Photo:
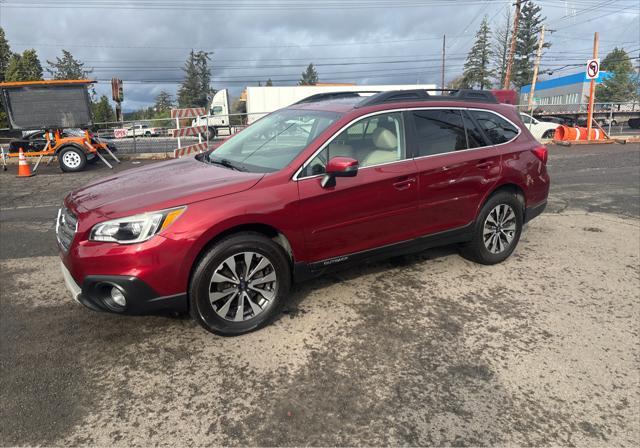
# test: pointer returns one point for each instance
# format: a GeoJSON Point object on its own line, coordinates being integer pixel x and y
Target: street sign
{"type": "Point", "coordinates": [593, 68]}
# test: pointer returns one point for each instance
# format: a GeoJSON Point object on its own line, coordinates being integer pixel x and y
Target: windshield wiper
{"type": "Point", "coordinates": [226, 163]}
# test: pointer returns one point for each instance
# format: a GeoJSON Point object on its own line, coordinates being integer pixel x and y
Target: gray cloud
{"type": "Point", "coordinates": [98, 35]}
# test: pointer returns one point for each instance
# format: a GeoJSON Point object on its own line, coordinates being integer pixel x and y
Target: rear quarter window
{"type": "Point", "coordinates": [496, 128]}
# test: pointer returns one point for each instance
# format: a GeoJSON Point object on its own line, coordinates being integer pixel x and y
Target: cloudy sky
{"type": "Point", "coordinates": [145, 42]}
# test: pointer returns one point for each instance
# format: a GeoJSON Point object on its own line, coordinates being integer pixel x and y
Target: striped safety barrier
{"type": "Point", "coordinates": [198, 147]}
{"type": "Point", "coordinates": [188, 132]}
{"type": "Point", "coordinates": [189, 112]}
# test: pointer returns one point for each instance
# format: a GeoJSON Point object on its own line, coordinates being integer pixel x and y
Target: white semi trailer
{"type": "Point", "coordinates": [263, 100]}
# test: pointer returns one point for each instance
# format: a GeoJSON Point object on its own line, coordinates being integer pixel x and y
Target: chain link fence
{"type": "Point", "coordinates": [612, 116]}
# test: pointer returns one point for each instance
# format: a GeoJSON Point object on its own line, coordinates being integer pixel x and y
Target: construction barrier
{"type": "Point", "coordinates": [198, 147]}
{"type": "Point", "coordinates": [189, 132]}
{"type": "Point", "coordinates": [566, 133]}
{"type": "Point", "coordinates": [189, 112]}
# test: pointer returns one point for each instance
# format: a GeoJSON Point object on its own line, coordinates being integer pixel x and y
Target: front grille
{"type": "Point", "coordinates": [66, 226]}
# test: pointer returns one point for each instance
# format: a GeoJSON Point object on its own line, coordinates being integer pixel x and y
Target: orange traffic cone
{"type": "Point", "coordinates": [24, 170]}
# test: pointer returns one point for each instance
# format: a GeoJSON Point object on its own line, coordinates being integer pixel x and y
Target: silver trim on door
{"type": "Point", "coordinates": [406, 109]}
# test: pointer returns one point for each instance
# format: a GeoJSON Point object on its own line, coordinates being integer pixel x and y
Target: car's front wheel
{"type": "Point", "coordinates": [239, 284]}
{"type": "Point", "coordinates": [497, 229]}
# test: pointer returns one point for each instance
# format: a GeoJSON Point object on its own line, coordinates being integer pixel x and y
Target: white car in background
{"type": "Point", "coordinates": [539, 129]}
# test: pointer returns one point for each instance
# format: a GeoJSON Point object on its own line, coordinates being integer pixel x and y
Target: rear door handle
{"type": "Point", "coordinates": [485, 165]}
{"type": "Point", "coordinates": [404, 184]}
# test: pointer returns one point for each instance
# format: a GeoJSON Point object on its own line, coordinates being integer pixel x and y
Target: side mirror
{"type": "Point", "coordinates": [339, 167]}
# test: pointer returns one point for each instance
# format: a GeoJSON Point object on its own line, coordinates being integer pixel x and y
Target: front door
{"type": "Point", "coordinates": [377, 207]}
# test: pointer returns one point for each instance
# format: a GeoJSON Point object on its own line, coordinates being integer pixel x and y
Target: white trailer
{"type": "Point", "coordinates": [263, 100]}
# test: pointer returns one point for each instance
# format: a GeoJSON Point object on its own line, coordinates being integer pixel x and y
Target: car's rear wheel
{"type": "Point", "coordinates": [548, 133]}
{"type": "Point", "coordinates": [239, 284]}
{"type": "Point", "coordinates": [497, 229]}
{"type": "Point", "coordinates": [72, 159]}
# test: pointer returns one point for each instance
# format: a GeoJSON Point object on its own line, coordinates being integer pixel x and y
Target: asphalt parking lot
{"type": "Point", "coordinates": [428, 349]}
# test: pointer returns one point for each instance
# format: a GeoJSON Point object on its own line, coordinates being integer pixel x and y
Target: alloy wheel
{"type": "Point", "coordinates": [499, 228]}
{"type": "Point", "coordinates": [243, 286]}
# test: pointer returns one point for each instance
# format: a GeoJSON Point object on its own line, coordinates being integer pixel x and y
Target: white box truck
{"type": "Point", "coordinates": [261, 101]}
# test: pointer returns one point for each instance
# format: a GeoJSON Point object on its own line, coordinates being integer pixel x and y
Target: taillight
{"type": "Point", "coordinates": [541, 153]}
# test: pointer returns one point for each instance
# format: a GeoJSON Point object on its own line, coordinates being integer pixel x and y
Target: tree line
{"type": "Point", "coordinates": [486, 62]}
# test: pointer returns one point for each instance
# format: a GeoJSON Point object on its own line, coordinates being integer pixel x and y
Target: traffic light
{"type": "Point", "coordinates": [117, 93]}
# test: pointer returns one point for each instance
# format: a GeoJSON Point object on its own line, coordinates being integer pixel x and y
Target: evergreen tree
{"type": "Point", "coordinates": [269, 83]}
{"type": "Point", "coordinates": [102, 110]}
{"type": "Point", "coordinates": [68, 67]}
{"type": "Point", "coordinates": [622, 86]}
{"type": "Point", "coordinates": [31, 65]}
{"type": "Point", "coordinates": [529, 28]}
{"type": "Point", "coordinates": [459, 82]}
{"type": "Point", "coordinates": [5, 54]}
{"type": "Point", "coordinates": [477, 68]}
{"type": "Point", "coordinates": [25, 67]}
{"type": "Point", "coordinates": [163, 104]}
{"type": "Point", "coordinates": [15, 71]}
{"type": "Point", "coordinates": [309, 76]}
{"type": "Point", "coordinates": [204, 77]}
{"type": "Point", "coordinates": [501, 46]}
{"type": "Point", "coordinates": [195, 87]}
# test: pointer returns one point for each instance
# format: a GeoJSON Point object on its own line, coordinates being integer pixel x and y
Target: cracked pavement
{"type": "Point", "coordinates": [428, 349]}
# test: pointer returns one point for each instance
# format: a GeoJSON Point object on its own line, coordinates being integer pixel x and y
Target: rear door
{"type": "Point", "coordinates": [375, 208]}
{"type": "Point", "coordinates": [456, 165]}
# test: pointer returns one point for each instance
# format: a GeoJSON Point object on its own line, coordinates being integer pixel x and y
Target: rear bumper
{"type": "Point", "coordinates": [94, 293]}
{"type": "Point", "coordinates": [532, 212]}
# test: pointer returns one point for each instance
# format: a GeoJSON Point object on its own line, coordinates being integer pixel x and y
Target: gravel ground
{"type": "Point", "coordinates": [419, 350]}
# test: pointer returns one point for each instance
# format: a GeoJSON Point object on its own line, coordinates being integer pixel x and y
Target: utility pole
{"type": "Point", "coordinates": [444, 41]}
{"type": "Point", "coordinates": [512, 50]}
{"type": "Point", "coordinates": [535, 72]}
{"type": "Point", "coordinates": [592, 89]}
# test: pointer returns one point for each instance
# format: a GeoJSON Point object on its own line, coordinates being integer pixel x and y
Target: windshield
{"type": "Point", "coordinates": [272, 142]}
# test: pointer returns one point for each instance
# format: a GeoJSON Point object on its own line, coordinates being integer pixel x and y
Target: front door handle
{"type": "Point", "coordinates": [404, 183]}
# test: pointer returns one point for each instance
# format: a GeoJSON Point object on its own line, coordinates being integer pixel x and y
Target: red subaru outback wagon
{"type": "Point", "coordinates": [332, 180]}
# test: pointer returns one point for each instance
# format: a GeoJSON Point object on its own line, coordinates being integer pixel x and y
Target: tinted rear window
{"type": "Point", "coordinates": [439, 131]}
{"type": "Point", "coordinates": [497, 129]}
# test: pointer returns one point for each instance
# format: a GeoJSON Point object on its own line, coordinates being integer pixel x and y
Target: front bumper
{"type": "Point", "coordinates": [140, 297]}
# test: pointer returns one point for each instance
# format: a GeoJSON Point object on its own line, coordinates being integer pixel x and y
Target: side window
{"type": "Point", "coordinates": [496, 128]}
{"type": "Point", "coordinates": [215, 110]}
{"type": "Point", "coordinates": [439, 131]}
{"type": "Point", "coordinates": [525, 118]}
{"type": "Point", "coordinates": [474, 135]}
{"type": "Point", "coordinates": [372, 141]}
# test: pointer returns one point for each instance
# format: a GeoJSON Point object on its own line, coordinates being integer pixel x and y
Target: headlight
{"type": "Point", "coordinates": [135, 229]}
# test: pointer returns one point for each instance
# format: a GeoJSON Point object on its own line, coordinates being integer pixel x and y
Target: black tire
{"type": "Point", "coordinates": [202, 309]}
{"type": "Point", "coordinates": [548, 133]}
{"type": "Point", "coordinates": [476, 250]}
{"type": "Point", "coordinates": [72, 159]}
{"type": "Point", "coordinates": [213, 132]}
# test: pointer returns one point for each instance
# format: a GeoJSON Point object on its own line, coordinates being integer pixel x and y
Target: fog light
{"type": "Point", "coordinates": [118, 297]}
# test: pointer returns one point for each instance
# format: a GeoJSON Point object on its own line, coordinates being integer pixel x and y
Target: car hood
{"type": "Point", "coordinates": [159, 186]}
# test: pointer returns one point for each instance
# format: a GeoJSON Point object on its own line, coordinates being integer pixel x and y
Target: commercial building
{"type": "Point", "coordinates": [568, 89]}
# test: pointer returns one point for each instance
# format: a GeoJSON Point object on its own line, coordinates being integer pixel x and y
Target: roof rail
{"type": "Point", "coordinates": [334, 96]}
{"type": "Point", "coordinates": [393, 96]}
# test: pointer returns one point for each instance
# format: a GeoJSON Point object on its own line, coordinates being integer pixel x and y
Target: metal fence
{"type": "Point", "coordinates": [613, 117]}
{"type": "Point", "coordinates": [156, 135]}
